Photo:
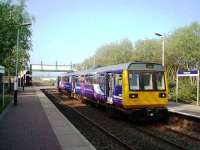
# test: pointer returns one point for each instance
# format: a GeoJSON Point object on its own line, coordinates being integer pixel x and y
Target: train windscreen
{"type": "Point", "coordinates": [144, 81]}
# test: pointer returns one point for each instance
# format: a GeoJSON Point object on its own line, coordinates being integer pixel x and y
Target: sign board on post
{"type": "Point", "coordinates": [187, 73]}
{"type": "Point", "coordinates": [191, 73]}
{"type": "Point", "coordinates": [2, 71]}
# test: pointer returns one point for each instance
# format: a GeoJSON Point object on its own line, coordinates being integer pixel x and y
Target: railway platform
{"type": "Point", "coordinates": [184, 109]}
{"type": "Point", "coordinates": [35, 124]}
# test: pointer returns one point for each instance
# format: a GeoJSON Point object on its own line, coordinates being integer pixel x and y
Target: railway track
{"type": "Point", "coordinates": [104, 131]}
{"type": "Point", "coordinates": [170, 129]}
{"type": "Point", "coordinates": [148, 132]}
{"type": "Point", "coordinates": [145, 131]}
{"type": "Point", "coordinates": [183, 134]}
{"type": "Point", "coordinates": [126, 146]}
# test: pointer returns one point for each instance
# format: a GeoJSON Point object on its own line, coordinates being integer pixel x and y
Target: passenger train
{"type": "Point", "coordinates": [137, 89]}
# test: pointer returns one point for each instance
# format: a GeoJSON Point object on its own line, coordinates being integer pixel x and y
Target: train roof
{"type": "Point", "coordinates": [67, 73]}
{"type": "Point", "coordinates": [77, 73]}
{"type": "Point", "coordinates": [112, 68]}
{"type": "Point", "coordinates": [131, 66]}
{"type": "Point", "coordinates": [63, 74]}
{"type": "Point", "coordinates": [119, 68]}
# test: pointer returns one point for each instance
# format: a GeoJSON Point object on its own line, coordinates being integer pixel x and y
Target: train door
{"type": "Point", "coordinates": [73, 83]}
{"type": "Point", "coordinates": [110, 87]}
{"type": "Point", "coordinates": [117, 91]}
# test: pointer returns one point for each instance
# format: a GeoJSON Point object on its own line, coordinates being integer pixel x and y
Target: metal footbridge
{"type": "Point", "coordinates": [50, 68]}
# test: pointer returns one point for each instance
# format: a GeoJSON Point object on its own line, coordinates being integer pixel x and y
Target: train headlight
{"type": "Point", "coordinates": [162, 95]}
{"type": "Point", "coordinates": [133, 95]}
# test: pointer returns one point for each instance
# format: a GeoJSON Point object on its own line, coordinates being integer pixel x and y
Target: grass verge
{"type": "Point", "coordinates": [7, 99]}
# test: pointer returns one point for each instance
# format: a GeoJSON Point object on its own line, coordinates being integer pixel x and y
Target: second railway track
{"type": "Point", "coordinates": [147, 139]}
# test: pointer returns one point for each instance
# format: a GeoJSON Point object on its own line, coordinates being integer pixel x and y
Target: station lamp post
{"type": "Point", "coordinates": [163, 47]}
{"type": "Point", "coordinates": [16, 63]}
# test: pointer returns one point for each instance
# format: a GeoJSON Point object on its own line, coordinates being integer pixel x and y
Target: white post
{"type": "Point", "coordinates": [16, 63]}
{"type": "Point", "coordinates": [3, 93]}
{"type": "Point", "coordinates": [20, 81]}
{"type": "Point", "coordinates": [15, 84]}
{"type": "Point", "coordinates": [198, 88]}
{"type": "Point", "coordinates": [71, 65]}
{"type": "Point", "coordinates": [177, 87]}
{"type": "Point", "coordinates": [94, 60]}
{"type": "Point", "coordinates": [163, 50]}
{"type": "Point", "coordinates": [56, 65]}
{"type": "Point", "coordinates": [163, 47]}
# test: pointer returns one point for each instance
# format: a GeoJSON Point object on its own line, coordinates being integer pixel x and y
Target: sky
{"type": "Point", "coordinates": [72, 30]}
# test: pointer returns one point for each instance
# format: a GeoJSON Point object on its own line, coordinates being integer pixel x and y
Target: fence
{"type": "Point", "coordinates": [2, 98]}
{"type": "Point", "coordinates": [5, 89]}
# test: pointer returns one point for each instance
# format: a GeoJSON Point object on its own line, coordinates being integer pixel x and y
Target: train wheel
{"type": "Point", "coordinates": [97, 104]}
{"type": "Point", "coordinates": [72, 95]}
{"type": "Point", "coordinates": [83, 100]}
{"type": "Point", "coordinates": [165, 116]}
{"type": "Point", "coordinates": [112, 113]}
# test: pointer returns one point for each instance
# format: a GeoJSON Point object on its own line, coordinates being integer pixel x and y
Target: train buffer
{"type": "Point", "coordinates": [35, 123]}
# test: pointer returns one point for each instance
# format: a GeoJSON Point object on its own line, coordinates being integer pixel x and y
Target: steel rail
{"type": "Point", "coordinates": [147, 132]}
{"type": "Point", "coordinates": [175, 145]}
{"type": "Point", "coordinates": [97, 126]}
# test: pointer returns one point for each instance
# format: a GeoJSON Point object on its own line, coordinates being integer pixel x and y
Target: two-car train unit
{"type": "Point", "coordinates": [137, 89]}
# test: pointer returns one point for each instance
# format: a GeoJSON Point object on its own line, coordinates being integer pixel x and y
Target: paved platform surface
{"type": "Point", "coordinates": [36, 124]}
{"type": "Point", "coordinates": [185, 109]}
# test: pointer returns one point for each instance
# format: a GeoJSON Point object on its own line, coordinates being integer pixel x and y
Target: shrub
{"type": "Point", "coordinates": [186, 92]}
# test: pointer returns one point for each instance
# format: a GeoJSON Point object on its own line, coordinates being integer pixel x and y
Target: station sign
{"type": "Point", "coordinates": [2, 69]}
{"type": "Point", "coordinates": [190, 73]}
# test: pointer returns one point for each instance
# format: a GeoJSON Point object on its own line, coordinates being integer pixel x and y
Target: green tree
{"type": "Point", "coordinates": [112, 53]}
{"type": "Point", "coordinates": [11, 16]}
{"type": "Point", "coordinates": [148, 50]}
{"type": "Point", "coordinates": [183, 49]}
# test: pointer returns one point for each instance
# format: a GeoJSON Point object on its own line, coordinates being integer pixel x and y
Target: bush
{"type": "Point", "coordinates": [7, 100]}
{"type": "Point", "coordinates": [186, 92]}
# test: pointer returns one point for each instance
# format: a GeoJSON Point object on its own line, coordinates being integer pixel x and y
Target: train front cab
{"type": "Point", "coordinates": [145, 91]}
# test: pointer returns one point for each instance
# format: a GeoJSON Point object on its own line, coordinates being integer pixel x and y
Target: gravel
{"type": "Point", "coordinates": [121, 128]}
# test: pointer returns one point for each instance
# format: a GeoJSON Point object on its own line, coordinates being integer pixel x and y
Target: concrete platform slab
{"type": "Point", "coordinates": [35, 124]}
{"type": "Point", "coordinates": [68, 136]}
{"type": "Point", "coordinates": [185, 109]}
{"type": "Point", "coordinates": [26, 126]}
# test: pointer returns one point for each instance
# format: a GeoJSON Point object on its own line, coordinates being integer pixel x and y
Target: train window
{"type": "Point", "coordinates": [148, 83]}
{"type": "Point", "coordinates": [101, 82]}
{"type": "Point", "coordinates": [77, 83]}
{"type": "Point", "coordinates": [118, 79]}
{"type": "Point", "coordinates": [82, 79]}
{"type": "Point", "coordinates": [70, 79]}
{"type": "Point", "coordinates": [160, 80]}
{"type": "Point", "coordinates": [90, 79]}
{"type": "Point", "coordinates": [96, 79]}
{"type": "Point", "coordinates": [146, 80]}
{"type": "Point", "coordinates": [134, 81]}
{"type": "Point", "coordinates": [87, 80]}
{"type": "Point", "coordinates": [65, 79]}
